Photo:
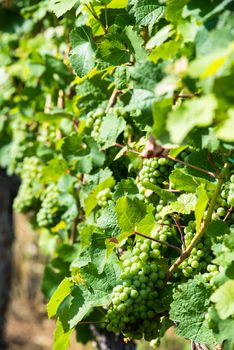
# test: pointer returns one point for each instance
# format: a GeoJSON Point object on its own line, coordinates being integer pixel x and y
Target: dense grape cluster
{"type": "Point", "coordinates": [154, 170]}
{"type": "Point", "coordinates": [94, 121]}
{"type": "Point", "coordinates": [29, 188]}
{"type": "Point", "coordinates": [47, 215]}
{"type": "Point", "coordinates": [104, 196]}
{"type": "Point", "coordinates": [200, 257]}
{"type": "Point", "coordinates": [136, 300]}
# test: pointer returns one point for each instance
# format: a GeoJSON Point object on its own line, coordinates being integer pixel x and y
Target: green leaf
{"type": "Point", "coordinates": [182, 181]}
{"type": "Point", "coordinates": [198, 112]}
{"type": "Point", "coordinates": [61, 338]}
{"type": "Point", "coordinates": [82, 56]}
{"type": "Point", "coordinates": [167, 50]}
{"type": "Point", "coordinates": [54, 169]}
{"type": "Point", "coordinates": [217, 228]}
{"type": "Point", "coordinates": [174, 9]}
{"type": "Point", "coordinates": [59, 7]}
{"type": "Point", "coordinates": [59, 295]}
{"type": "Point", "coordinates": [125, 187]}
{"type": "Point", "coordinates": [223, 298]}
{"type": "Point", "coordinates": [202, 200]}
{"type": "Point", "coordinates": [129, 212]}
{"type": "Point", "coordinates": [225, 130]}
{"type": "Point", "coordinates": [161, 36]}
{"type": "Point", "coordinates": [72, 147]}
{"type": "Point", "coordinates": [91, 201]}
{"type": "Point", "coordinates": [147, 12]}
{"type": "Point", "coordinates": [147, 224]}
{"type": "Point", "coordinates": [184, 205]}
{"type": "Point", "coordinates": [108, 220]}
{"type": "Point", "coordinates": [136, 43]}
{"type": "Point", "coordinates": [188, 310]}
{"type": "Point", "coordinates": [96, 253]}
{"type": "Point", "coordinates": [111, 127]}
{"type": "Point", "coordinates": [91, 290]}
{"type": "Point", "coordinates": [165, 195]}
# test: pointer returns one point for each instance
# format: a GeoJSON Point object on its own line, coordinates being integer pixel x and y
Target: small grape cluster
{"type": "Point", "coordinates": [135, 306]}
{"type": "Point", "coordinates": [103, 197]}
{"type": "Point", "coordinates": [47, 134]}
{"type": "Point", "coordinates": [94, 121]}
{"type": "Point", "coordinates": [200, 257]}
{"type": "Point", "coordinates": [22, 144]}
{"type": "Point", "coordinates": [225, 201]}
{"type": "Point", "coordinates": [30, 176]}
{"type": "Point", "coordinates": [46, 217]}
{"type": "Point", "coordinates": [154, 170]}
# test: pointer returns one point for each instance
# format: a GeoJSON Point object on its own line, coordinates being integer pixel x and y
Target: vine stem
{"type": "Point", "coordinates": [203, 225]}
{"type": "Point", "coordinates": [191, 166]}
{"type": "Point", "coordinates": [228, 214]}
{"type": "Point", "coordinates": [176, 220]}
{"type": "Point", "coordinates": [207, 172]}
{"type": "Point", "coordinates": [158, 241]}
{"type": "Point", "coordinates": [94, 322]}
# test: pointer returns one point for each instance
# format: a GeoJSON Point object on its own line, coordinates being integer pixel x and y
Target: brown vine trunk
{"type": "Point", "coordinates": [109, 341]}
{"type": "Point", "coordinates": [8, 187]}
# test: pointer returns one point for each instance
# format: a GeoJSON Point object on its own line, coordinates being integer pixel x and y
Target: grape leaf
{"type": "Point", "coordinates": [125, 187]}
{"type": "Point", "coordinates": [165, 195]}
{"type": "Point", "coordinates": [223, 298]}
{"type": "Point", "coordinates": [202, 200]}
{"type": "Point", "coordinates": [82, 56]}
{"type": "Point", "coordinates": [91, 290]}
{"type": "Point", "coordinates": [61, 338]}
{"type": "Point", "coordinates": [91, 201]}
{"type": "Point", "coordinates": [184, 205]}
{"type": "Point", "coordinates": [110, 129]}
{"type": "Point", "coordinates": [95, 253]}
{"type": "Point", "coordinates": [174, 9]}
{"type": "Point", "coordinates": [182, 181]}
{"type": "Point", "coordinates": [188, 310]}
{"type": "Point", "coordinates": [147, 12]}
{"type": "Point", "coordinates": [59, 295]}
{"type": "Point", "coordinates": [199, 112]}
{"type": "Point", "coordinates": [59, 7]}
{"type": "Point", "coordinates": [129, 212]}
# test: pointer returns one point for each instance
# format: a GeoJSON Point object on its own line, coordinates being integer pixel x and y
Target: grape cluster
{"type": "Point", "coordinates": [225, 201]}
{"type": "Point", "coordinates": [104, 196]}
{"type": "Point", "coordinates": [154, 170]}
{"type": "Point", "coordinates": [136, 299]}
{"type": "Point", "coordinates": [94, 121]}
{"type": "Point", "coordinates": [29, 188]}
{"type": "Point", "coordinates": [200, 257]}
{"type": "Point", "coordinates": [47, 134]}
{"type": "Point", "coordinates": [21, 146]}
{"type": "Point", "coordinates": [47, 215]}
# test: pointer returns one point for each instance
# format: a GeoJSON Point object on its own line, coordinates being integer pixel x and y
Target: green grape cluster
{"type": "Point", "coordinates": [47, 134]}
{"type": "Point", "coordinates": [225, 200]}
{"type": "Point", "coordinates": [104, 196]}
{"type": "Point", "coordinates": [135, 307]}
{"type": "Point", "coordinates": [154, 170]}
{"type": "Point", "coordinates": [200, 257]}
{"type": "Point", "coordinates": [94, 121]}
{"type": "Point", "coordinates": [21, 146]}
{"type": "Point", "coordinates": [30, 176]}
{"type": "Point", "coordinates": [47, 215]}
